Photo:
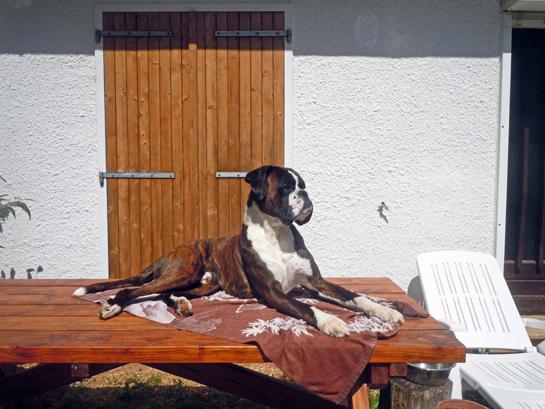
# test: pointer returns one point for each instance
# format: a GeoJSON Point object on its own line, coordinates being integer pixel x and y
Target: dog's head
{"type": "Point", "coordinates": [280, 192]}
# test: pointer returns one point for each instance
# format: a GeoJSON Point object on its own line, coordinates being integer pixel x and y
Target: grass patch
{"type": "Point", "coordinates": [141, 395]}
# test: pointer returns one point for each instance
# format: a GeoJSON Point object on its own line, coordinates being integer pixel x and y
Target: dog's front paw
{"type": "Point", "coordinates": [108, 311]}
{"type": "Point", "coordinates": [330, 324]}
{"type": "Point", "coordinates": [374, 309]}
{"type": "Point", "coordinates": [388, 315]}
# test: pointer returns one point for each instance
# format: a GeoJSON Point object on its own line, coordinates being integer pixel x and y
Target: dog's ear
{"type": "Point", "coordinates": [257, 179]}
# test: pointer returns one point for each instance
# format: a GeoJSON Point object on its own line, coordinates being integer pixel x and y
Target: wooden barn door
{"type": "Point", "coordinates": [192, 104]}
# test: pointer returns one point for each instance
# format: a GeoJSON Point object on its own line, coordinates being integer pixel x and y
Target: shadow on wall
{"type": "Point", "coordinates": [384, 28]}
{"type": "Point", "coordinates": [12, 275]}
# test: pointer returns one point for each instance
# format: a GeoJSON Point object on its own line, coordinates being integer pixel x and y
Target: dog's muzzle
{"type": "Point", "coordinates": [305, 213]}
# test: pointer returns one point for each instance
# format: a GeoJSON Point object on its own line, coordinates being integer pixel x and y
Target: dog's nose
{"type": "Point", "coordinates": [307, 209]}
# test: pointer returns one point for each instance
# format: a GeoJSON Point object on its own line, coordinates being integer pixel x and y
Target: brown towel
{"type": "Point", "coordinates": [322, 364]}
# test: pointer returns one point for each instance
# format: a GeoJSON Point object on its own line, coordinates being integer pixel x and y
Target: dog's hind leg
{"type": "Point", "coordinates": [144, 277]}
{"type": "Point", "coordinates": [174, 276]}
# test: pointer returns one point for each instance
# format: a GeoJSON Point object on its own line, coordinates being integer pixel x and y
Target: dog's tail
{"type": "Point", "coordinates": [147, 275]}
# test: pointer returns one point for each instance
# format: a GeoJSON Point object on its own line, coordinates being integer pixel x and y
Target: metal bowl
{"type": "Point", "coordinates": [429, 374]}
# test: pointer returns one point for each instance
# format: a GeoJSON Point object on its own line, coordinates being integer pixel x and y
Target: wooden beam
{"type": "Point", "coordinates": [524, 200]}
{"type": "Point", "coordinates": [247, 384]}
{"type": "Point", "coordinates": [42, 378]}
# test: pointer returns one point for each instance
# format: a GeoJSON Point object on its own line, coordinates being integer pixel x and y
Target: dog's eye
{"type": "Point", "coordinates": [285, 190]}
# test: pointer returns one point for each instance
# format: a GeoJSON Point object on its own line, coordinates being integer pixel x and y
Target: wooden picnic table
{"type": "Point", "coordinates": [40, 322]}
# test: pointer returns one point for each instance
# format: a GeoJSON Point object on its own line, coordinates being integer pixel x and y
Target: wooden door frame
{"type": "Point", "coordinates": [510, 21]}
{"type": "Point", "coordinates": [286, 8]}
{"type": "Point", "coordinates": [503, 140]}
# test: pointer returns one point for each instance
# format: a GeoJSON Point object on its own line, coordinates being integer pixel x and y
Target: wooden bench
{"type": "Point", "coordinates": [40, 322]}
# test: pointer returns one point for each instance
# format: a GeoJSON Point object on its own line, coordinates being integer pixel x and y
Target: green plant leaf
{"type": "Point", "coordinates": [5, 211]}
{"type": "Point", "coordinates": [21, 205]}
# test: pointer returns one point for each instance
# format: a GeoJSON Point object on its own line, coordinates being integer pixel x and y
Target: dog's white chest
{"type": "Point", "coordinates": [275, 246]}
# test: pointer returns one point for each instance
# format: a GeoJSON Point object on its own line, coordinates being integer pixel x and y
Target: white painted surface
{"type": "Point", "coordinates": [392, 101]}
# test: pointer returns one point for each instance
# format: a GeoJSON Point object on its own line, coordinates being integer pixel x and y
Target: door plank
{"type": "Point", "coordinates": [166, 132]}
{"type": "Point", "coordinates": [201, 126]}
{"type": "Point", "coordinates": [256, 92]}
{"type": "Point", "coordinates": [278, 91]}
{"type": "Point", "coordinates": [144, 142]}
{"type": "Point", "coordinates": [155, 138]}
{"type": "Point", "coordinates": [189, 126]}
{"type": "Point", "coordinates": [211, 125]}
{"type": "Point", "coordinates": [111, 146]}
{"type": "Point", "coordinates": [268, 87]}
{"type": "Point", "coordinates": [122, 146]}
{"type": "Point", "coordinates": [245, 109]}
{"type": "Point", "coordinates": [233, 143]}
{"type": "Point", "coordinates": [223, 125]}
{"type": "Point", "coordinates": [177, 119]}
{"type": "Point", "coordinates": [133, 151]}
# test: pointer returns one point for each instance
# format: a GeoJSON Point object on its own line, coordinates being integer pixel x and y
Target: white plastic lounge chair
{"type": "Point", "coordinates": [468, 292]}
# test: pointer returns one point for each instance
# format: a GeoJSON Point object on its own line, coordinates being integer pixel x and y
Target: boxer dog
{"type": "Point", "coordinates": [265, 261]}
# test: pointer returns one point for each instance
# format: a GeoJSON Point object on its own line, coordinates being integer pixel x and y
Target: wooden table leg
{"type": "Point", "coordinates": [360, 399]}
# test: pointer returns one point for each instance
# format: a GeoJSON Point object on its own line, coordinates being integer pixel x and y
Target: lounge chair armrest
{"type": "Point", "coordinates": [453, 325]}
{"type": "Point", "coordinates": [541, 348]}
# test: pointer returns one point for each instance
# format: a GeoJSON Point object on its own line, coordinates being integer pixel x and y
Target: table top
{"type": "Point", "coordinates": [41, 322]}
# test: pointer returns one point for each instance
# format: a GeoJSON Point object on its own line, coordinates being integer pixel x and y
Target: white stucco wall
{"type": "Point", "coordinates": [393, 102]}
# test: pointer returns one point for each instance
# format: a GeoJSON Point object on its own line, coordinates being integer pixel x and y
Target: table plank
{"type": "Point", "coordinates": [88, 316]}
{"type": "Point", "coordinates": [126, 321]}
{"type": "Point", "coordinates": [38, 325]}
{"type": "Point", "coordinates": [171, 346]}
